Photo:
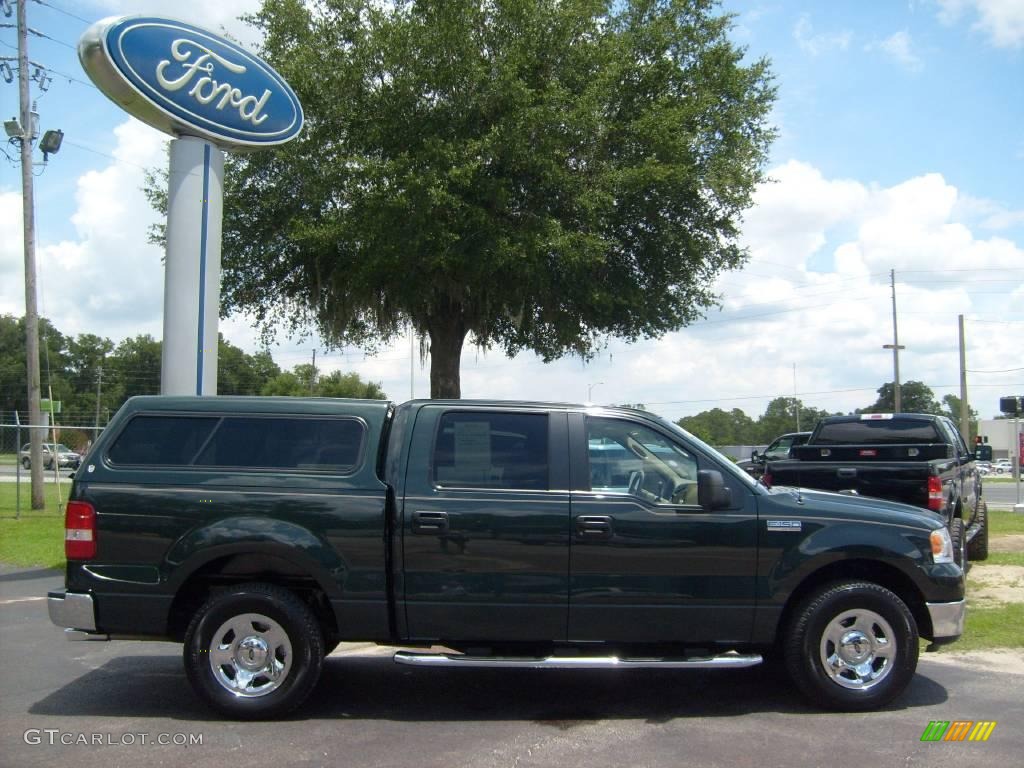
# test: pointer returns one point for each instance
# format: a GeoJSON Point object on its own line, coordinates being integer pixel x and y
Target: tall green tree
{"type": "Point", "coordinates": [780, 417]}
{"type": "Point", "coordinates": [951, 408]}
{"type": "Point", "coordinates": [535, 174]}
{"type": "Point", "coordinates": [719, 427]}
{"type": "Point", "coordinates": [304, 381]}
{"type": "Point", "coordinates": [915, 397]}
{"type": "Point", "coordinates": [239, 373]}
{"type": "Point", "coordinates": [135, 370]}
{"type": "Point", "coordinates": [85, 358]}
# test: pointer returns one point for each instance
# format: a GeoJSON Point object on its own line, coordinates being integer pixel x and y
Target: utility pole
{"type": "Point", "coordinates": [796, 401]}
{"type": "Point", "coordinates": [312, 375]}
{"type": "Point", "coordinates": [895, 347]}
{"type": "Point", "coordinates": [99, 390]}
{"type": "Point", "coordinates": [965, 411]}
{"type": "Point", "coordinates": [28, 219]}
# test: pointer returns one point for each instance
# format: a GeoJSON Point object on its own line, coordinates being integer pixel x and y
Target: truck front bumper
{"type": "Point", "coordinates": [75, 613]}
{"type": "Point", "coordinates": [947, 620]}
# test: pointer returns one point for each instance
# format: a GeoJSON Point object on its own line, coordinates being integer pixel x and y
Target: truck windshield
{"type": "Point", "coordinates": [877, 432]}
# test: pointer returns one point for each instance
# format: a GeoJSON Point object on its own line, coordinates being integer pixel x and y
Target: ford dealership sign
{"type": "Point", "coordinates": [186, 81]}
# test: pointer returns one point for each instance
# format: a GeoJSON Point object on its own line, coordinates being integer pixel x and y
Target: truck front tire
{"type": "Point", "coordinates": [253, 651]}
{"type": "Point", "coordinates": [851, 646]}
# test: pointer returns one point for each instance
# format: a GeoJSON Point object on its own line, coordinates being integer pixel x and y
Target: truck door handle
{"type": "Point", "coordinates": [846, 472]}
{"type": "Point", "coordinates": [430, 522]}
{"type": "Point", "coordinates": [594, 526]}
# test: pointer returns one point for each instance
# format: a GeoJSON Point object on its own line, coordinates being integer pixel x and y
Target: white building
{"type": "Point", "coordinates": [1000, 434]}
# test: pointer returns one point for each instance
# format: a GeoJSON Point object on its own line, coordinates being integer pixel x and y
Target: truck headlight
{"type": "Point", "coordinates": [942, 546]}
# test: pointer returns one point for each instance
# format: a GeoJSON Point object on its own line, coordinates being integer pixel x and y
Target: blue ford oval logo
{"type": "Point", "coordinates": [184, 80]}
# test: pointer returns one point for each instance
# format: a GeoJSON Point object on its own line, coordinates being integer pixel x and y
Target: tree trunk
{"type": "Point", "coordinates": [447, 330]}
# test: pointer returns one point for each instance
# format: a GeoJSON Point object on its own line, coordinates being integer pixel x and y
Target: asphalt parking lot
{"type": "Point", "coordinates": [109, 704]}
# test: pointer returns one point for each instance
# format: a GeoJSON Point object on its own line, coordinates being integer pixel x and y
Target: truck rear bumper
{"type": "Point", "coordinates": [947, 620]}
{"type": "Point", "coordinates": [74, 611]}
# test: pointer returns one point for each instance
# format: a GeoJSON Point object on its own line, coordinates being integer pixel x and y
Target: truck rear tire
{"type": "Point", "coordinates": [851, 646]}
{"type": "Point", "coordinates": [958, 536]}
{"type": "Point", "coordinates": [977, 548]}
{"type": "Point", "coordinates": [253, 651]}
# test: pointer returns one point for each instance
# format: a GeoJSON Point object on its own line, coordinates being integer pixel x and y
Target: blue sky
{"type": "Point", "coordinates": [901, 146]}
{"type": "Point", "coordinates": [884, 90]}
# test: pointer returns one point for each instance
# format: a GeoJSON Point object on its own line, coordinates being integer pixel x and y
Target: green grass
{"type": "Point", "coordinates": [1005, 521]}
{"type": "Point", "coordinates": [988, 628]}
{"type": "Point", "coordinates": [9, 459]}
{"type": "Point", "coordinates": [32, 541]}
{"type": "Point", "coordinates": [37, 539]}
{"type": "Point", "coordinates": [1005, 558]}
{"type": "Point", "coordinates": [8, 499]}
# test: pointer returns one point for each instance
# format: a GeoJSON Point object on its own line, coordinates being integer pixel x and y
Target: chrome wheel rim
{"type": "Point", "coordinates": [858, 649]}
{"type": "Point", "coordinates": [250, 655]}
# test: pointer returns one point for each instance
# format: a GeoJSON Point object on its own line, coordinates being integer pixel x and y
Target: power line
{"type": "Point", "coordinates": [70, 78]}
{"type": "Point", "coordinates": [45, 36]}
{"type": "Point", "coordinates": [61, 10]}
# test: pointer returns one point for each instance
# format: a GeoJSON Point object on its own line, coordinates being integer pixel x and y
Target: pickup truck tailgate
{"type": "Point", "coordinates": [906, 482]}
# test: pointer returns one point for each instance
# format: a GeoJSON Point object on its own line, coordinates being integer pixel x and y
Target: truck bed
{"type": "Point", "coordinates": [903, 481]}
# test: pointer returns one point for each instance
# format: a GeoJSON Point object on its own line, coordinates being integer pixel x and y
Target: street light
{"type": "Point", "coordinates": [590, 389]}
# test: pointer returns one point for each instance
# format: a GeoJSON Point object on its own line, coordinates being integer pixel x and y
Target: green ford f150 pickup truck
{"type": "Point", "coordinates": [260, 532]}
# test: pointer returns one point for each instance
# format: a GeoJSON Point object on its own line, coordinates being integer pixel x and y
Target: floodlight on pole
{"type": "Point", "coordinates": [50, 144]}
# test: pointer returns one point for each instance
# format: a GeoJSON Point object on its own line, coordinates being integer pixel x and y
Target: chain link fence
{"type": "Point", "coordinates": [15, 461]}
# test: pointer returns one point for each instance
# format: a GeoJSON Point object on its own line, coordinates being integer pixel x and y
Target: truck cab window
{"type": "Point", "coordinates": [475, 449]}
{"type": "Point", "coordinates": [631, 459]}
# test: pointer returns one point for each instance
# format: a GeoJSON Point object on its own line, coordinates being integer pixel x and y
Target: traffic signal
{"type": "Point", "coordinates": [1011, 406]}
{"type": "Point", "coordinates": [982, 452]}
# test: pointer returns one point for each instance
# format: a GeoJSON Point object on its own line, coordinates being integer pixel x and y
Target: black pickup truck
{"type": "Point", "coordinates": [261, 532]}
{"type": "Point", "coordinates": [913, 458]}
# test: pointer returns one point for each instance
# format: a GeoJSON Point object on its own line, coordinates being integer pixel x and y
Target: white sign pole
{"type": "Point", "coordinates": [195, 204]}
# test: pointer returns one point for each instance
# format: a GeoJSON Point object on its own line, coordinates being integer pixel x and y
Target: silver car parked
{"type": "Point", "coordinates": [66, 458]}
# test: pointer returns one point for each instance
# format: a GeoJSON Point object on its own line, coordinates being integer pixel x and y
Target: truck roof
{"type": "Point", "coordinates": [250, 404]}
{"type": "Point", "coordinates": [328, 405]}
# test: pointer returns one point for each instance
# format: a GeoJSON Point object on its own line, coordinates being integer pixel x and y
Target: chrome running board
{"type": "Point", "coordinates": [726, 660]}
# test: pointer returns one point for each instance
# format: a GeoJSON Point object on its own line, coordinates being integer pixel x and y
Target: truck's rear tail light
{"type": "Point", "coordinates": [935, 496]}
{"type": "Point", "coordinates": [79, 531]}
{"type": "Point", "coordinates": [766, 478]}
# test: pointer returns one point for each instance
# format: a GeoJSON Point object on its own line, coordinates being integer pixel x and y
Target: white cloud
{"type": "Point", "coordinates": [816, 44]}
{"type": "Point", "coordinates": [12, 262]}
{"type": "Point", "coordinates": [107, 280]}
{"type": "Point", "coordinates": [900, 47]}
{"type": "Point", "coordinates": [1002, 21]}
{"type": "Point", "coordinates": [988, 214]}
{"type": "Point", "coordinates": [812, 204]}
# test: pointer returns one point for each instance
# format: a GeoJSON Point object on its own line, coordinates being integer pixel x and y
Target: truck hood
{"type": "Point", "coordinates": [808, 502]}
